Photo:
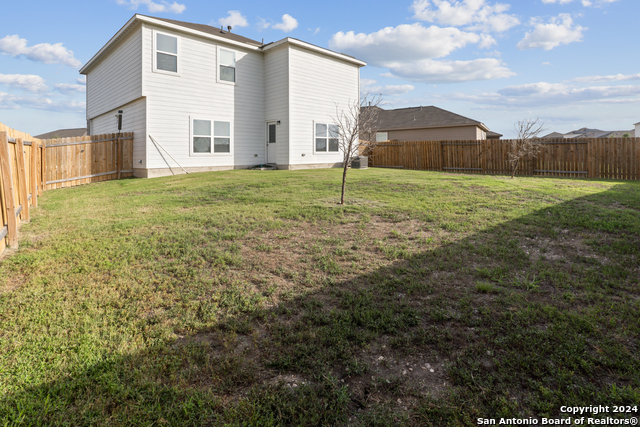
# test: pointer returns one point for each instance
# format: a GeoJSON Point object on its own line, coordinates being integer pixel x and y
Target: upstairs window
{"type": "Point", "coordinates": [166, 54]}
{"type": "Point", "coordinates": [227, 68]}
{"type": "Point", "coordinates": [326, 138]}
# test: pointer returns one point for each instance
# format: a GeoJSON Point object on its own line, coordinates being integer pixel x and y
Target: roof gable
{"type": "Point", "coordinates": [422, 117]}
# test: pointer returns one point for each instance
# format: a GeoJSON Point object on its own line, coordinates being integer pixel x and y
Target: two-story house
{"type": "Point", "coordinates": [203, 98]}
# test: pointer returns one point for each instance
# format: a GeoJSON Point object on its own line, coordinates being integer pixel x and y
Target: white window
{"type": "Point", "coordinates": [227, 65]}
{"type": "Point", "coordinates": [326, 138]}
{"type": "Point", "coordinates": [382, 136]}
{"type": "Point", "coordinates": [210, 137]}
{"type": "Point", "coordinates": [166, 53]}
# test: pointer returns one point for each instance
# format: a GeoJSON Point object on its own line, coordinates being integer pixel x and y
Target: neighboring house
{"type": "Point", "coordinates": [493, 135]}
{"type": "Point", "coordinates": [428, 124]}
{"type": "Point", "coordinates": [63, 133]}
{"type": "Point", "coordinates": [206, 99]}
{"type": "Point", "coordinates": [592, 133]}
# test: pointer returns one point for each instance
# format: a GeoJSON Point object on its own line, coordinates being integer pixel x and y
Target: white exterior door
{"type": "Point", "coordinates": [271, 142]}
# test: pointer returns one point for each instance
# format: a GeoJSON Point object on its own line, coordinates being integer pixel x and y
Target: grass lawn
{"type": "Point", "coordinates": [252, 298]}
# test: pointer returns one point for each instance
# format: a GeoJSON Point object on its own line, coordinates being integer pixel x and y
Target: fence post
{"type": "Point", "coordinates": [43, 167]}
{"type": "Point", "coordinates": [33, 170]}
{"type": "Point", "coordinates": [7, 189]}
{"type": "Point", "coordinates": [119, 153]}
{"type": "Point", "coordinates": [22, 180]}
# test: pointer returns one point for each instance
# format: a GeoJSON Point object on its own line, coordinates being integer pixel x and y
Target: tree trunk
{"type": "Point", "coordinates": [344, 181]}
{"type": "Point", "coordinates": [515, 168]}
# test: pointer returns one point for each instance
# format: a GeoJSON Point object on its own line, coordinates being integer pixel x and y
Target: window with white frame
{"type": "Point", "coordinates": [326, 138]}
{"type": "Point", "coordinates": [210, 137]}
{"type": "Point", "coordinates": [227, 65]}
{"type": "Point", "coordinates": [382, 136]}
{"type": "Point", "coordinates": [166, 53]}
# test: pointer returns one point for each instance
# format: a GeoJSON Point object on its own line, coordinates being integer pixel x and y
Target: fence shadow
{"type": "Point", "coordinates": [516, 320]}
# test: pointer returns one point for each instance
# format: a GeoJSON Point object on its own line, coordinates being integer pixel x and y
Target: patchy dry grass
{"type": "Point", "coordinates": [251, 298]}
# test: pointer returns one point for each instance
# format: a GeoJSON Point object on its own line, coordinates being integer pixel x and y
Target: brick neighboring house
{"type": "Point", "coordinates": [429, 124]}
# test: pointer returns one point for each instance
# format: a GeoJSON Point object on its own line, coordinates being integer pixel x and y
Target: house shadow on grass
{"type": "Point", "coordinates": [514, 321]}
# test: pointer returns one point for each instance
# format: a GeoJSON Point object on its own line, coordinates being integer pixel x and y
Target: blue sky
{"type": "Point", "coordinates": [572, 63]}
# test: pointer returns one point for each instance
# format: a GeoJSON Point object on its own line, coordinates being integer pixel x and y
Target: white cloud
{"type": "Point", "coordinates": [479, 14]}
{"type": "Point", "coordinates": [289, 23]}
{"type": "Point", "coordinates": [67, 88]}
{"type": "Point", "coordinates": [559, 30]}
{"type": "Point", "coordinates": [402, 43]}
{"type": "Point", "coordinates": [82, 80]}
{"type": "Point", "coordinates": [408, 51]}
{"type": "Point", "coordinates": [29, 82]}
{"type": "Point", "coordinates": [163, 6]}
{"type": "Point", "coordinates": [316, 31]}
{"type": "Point", "coordinates": [613, 78]}
{"type": "Point", "coordinates": [235, 19]}
{"type": "Point", "coordinates": [545, 94]}
{"type": "Point", "coordinates": [43, 52]}
{"type": "Point", "coordinates": [367, 86]}
{"type": "Point", "coordinates": [547, 63]}
{"type": "Point", "coordinates": [432, 71]}
{"type": "Point", "coordinates": [263, 24]}
{"type": "Point", "coordinates": [15, 102]}
{"type": "Point", "coordinates": [585, 3]}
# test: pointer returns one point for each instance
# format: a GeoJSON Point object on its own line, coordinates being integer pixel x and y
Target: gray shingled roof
{"type": "Point", "coordinates": [210, 30]}
{"type": "Point", "coordinates": [493, 135]}
{"type": "Point", "coordinates": [591, 133]}
{"type": "Point", "coordinates": [63, 133]}
{"type": "Point", "coordinates": [422, 117]}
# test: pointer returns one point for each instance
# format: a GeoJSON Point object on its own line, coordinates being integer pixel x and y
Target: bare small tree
{"type": "Point", "coordinates": [357, 126]}
{"type": "Point", "coordinates": [527, 142]}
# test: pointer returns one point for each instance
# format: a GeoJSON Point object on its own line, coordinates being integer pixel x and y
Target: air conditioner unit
{"type": "Point", "coordinates": [361, 162]}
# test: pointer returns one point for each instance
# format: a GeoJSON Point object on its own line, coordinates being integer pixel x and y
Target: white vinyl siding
{"type": "Point", "coordinates": [116, 79]}
{"type": "Point", "coordinates": [276, 90]}
{"type": "Point", "coordinates": [317, 84]}
{"type": "Point", "coordinates": [171, 102]}
{"type": "Point", "coordinates": [133, 120]}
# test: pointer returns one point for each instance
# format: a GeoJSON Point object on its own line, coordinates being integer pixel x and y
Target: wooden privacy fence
{"type": "Point", "coordinates": [29, 166]}
{"type": "Point", "coordinates": [20, 183]}
{"type": "Point", "coordinates": [85, 159]}
{"type": "Point", "coordinates": [612, 158]}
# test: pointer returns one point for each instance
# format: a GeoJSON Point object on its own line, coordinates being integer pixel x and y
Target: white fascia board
{"type": "Point", "coordinates": [309, 46]}
{"type": "Point", "coordinates": [140, 18]}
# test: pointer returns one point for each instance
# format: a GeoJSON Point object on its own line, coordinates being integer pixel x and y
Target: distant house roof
{"type": "Point", "coordinates": [591, 133]}
{"type": "Point", "coordinates": [63, 133]}
{"type": "Point", "coordinates": [423, 117]}
{"type": "Point", "coordinates": [554, 135]}
{"type": "Point", "coordinates": [493, 135]}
